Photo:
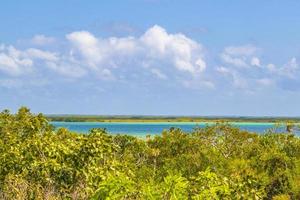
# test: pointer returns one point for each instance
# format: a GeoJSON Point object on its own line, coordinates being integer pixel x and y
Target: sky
{"type": "Point", "coordinates": [151, 57]}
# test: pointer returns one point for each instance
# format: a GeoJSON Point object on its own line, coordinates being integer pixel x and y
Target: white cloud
{"type": "Point", "coordinates": [239, 62]}
{"type": "Point", "coordinates": [109, 58]}
{"type": "Point", "coordinates": [240, 56]}
{"type": "Point", "coordinates": [185, 53]}
{"type": "Point", "coordinates": [157, 40]}
{"type": "Point", "coordinates": [67, 69]}
{"type": "Point", "coordinates": [100, 55]}
{"type": "Point", "coordinates": [8, 65]}
{"type": "Point", "coordinates": [156, 44]}
{"type": "Point", "coordinates": [42, 40]}
{"type": "Point", "coordinates": [200, 63]}
{"type": "Point", "coordinates": [158, 74]}
{"type": "Point", "coordinates": [290, 69]}
{"type": "Point", "coordinates": [87, 45]}
{"type": "Point", "coordinates": [223, 70]}
{"type": "Point", "coordinates": [16, 62]}
{"type": "Point", "coordinates": [271, 67]}
{"type": "Point", "coordinates": [39, 54]}
{"type": "Point", "coordinates": [104, 56]}
{"type": "Point", "coordinates": [123, 46]}
{"type": "Point", "coordinates": [243, 68]}
{"type": "Point", "coordinates": [166, 56]}
{"type": "Point", "coordinates": [236, 79]}
{"type": "Point", "coordinates": [261, 76]}
{"type": "Point", "coordinates": [13, 62]}
{"type": "Point", "coordinates": [255, 62]}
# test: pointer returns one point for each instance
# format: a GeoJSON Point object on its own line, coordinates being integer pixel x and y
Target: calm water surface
{"type": "Point", "coordinates": [142, 129]}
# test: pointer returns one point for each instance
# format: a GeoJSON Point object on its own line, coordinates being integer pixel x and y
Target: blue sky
{"type": "Point", "coordinates": [151, 57]}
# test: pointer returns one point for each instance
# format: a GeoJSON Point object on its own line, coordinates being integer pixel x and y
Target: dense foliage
{"type": "Point", "coordinates": [216, 162]}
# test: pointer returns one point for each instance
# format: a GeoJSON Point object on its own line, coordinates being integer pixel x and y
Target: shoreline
{"type": "Point", "coordinates": [171, 119]}
{"type": "Point", "coordinates": [172, 122]}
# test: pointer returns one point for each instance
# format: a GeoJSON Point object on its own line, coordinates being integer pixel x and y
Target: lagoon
{"type": "Point", "coordinates": [141, 129]}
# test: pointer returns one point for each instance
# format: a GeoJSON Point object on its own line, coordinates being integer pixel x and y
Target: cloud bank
{"type": "Point", "coordinates": [154, 56]}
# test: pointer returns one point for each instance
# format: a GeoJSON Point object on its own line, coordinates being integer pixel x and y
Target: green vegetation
{"type": "Point", "coordinates": [127, 118]}
{"type": "Point", "coordinates": [215, 162]}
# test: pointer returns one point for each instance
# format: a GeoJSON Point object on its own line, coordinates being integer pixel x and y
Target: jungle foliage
{"type": "Point", "coordinates": [215, 162]}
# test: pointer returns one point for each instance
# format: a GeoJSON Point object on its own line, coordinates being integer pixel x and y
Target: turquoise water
{"type": "Point", "coordinates": [145, 128]}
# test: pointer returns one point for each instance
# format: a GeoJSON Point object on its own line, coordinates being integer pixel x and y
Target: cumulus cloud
{"type": "Point", "coordinates": [155, 45]}
{"type": "Point", "coordinates": [16, 62]}
{"type": "Point", "coordinates": [13, 62]}
{"type": "Point", "coordinates": [85, 54]}
{"type": "Point", "coordinates": [236, 79]}
{"type": "Point", "coordinates": [185, 53]}
{"type": "Point", "coordinates": [286, 76]}
{"type": "Point", "coordinates": [240, 56]}
{"type": "Point", "coordinates": [87, 45]}
{"type": "Point", "coordinates": [39, 54]}
{"type": "Point", "coordinates": [244, 69]}
{"type": "Point", "coordinates": [245, 82]}
{"type": "Point", "coordinates": [239, 62]}
{"type": "Point", "coordinates": [102, 55]}
{"type": "Point", "coordinates": [155, 54]}
{"type": "Point", "coordinates": [290, 69]}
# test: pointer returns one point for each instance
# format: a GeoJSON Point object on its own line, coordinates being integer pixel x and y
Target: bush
{"type": "Point", "coordinates": [215, 162]}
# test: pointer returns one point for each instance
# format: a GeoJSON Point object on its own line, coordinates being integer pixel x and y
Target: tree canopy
{"type": "Point", "coordinates": [38, 161]}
